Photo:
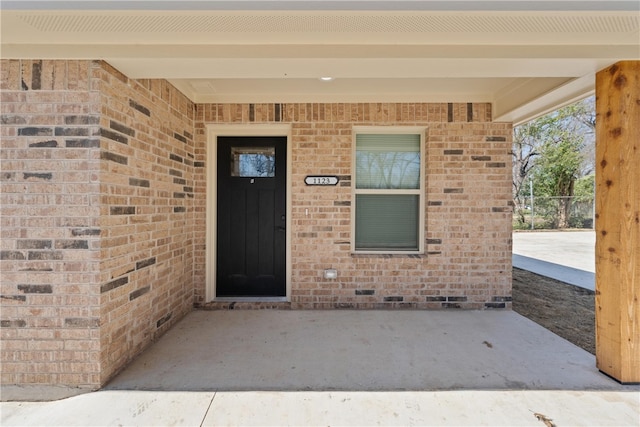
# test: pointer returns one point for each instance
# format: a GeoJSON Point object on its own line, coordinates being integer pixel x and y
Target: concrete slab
{"type": "Point", "coordinates": [266, 350]}
{"type": "Point", "coordinates": [447, 408]}
{"type": "Point", "coordinates": [349, 368]}
{"type": "Point", "coordinates": [108, 408]}
{"type": "Point", "coordinates": [444, 408]}
{"type": "Point", "coordinates": [568, 256]}
{"type": "Point", "coordinates": [575, 249]}
{"type": "Point", "coordinates": [573, 276]}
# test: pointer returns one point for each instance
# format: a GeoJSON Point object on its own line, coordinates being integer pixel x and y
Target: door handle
{"type": "Point", "coordinates": [281, 229]}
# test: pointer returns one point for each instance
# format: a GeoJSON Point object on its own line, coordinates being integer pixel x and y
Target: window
{"type": "Point", "coordinates": [388, 192]}
{"type": "Point", "coordinates": [253, 162]}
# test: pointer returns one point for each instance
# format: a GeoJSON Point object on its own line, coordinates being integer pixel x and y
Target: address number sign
{"type": "Point", "coordinates": [321, 180]}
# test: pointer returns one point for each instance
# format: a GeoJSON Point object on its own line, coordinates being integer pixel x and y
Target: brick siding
{"type": "Point", "coordinates": [468, 206]}
{"type": "Point", "coordinates": [103, 202]}
{"type": "Point", "coordinates": [147, 154]}
{"type": "Point", "coordinates": [50, 199]}
{"type": "Point", "coordinates": [97, 219]}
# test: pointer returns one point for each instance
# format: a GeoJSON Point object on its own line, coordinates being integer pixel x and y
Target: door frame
{"type": "Point", "coordinates": [213, 132]}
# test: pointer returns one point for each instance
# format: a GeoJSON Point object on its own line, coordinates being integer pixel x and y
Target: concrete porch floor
{"type": "Point", "coordinates": [268, 367]}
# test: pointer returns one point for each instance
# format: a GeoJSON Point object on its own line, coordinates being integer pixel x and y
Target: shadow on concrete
{"type": "Point", "coordinates": [573, 276]}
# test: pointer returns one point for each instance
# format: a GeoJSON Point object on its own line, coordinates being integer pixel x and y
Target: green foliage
{"type": "Point", "coordinates": [585, 188]}
{"type": "Point", "coordinates": [555, 151]}
{"type": "Point", "coordinates": [559, 164]}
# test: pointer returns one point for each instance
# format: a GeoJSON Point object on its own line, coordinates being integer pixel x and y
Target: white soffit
{"type": "Point", "coordinates": [333, 27]}
{"type": "Point", "coordinates": [359, 5]}
{"type": "Point", "coordinates": [525, 57]}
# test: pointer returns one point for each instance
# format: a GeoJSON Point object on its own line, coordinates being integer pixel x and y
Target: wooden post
{"type": "Point", "coordinates": [618, 221]}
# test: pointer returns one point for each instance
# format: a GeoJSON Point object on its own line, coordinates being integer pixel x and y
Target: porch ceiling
{"type": "Point", "coordinates": [525, 57]}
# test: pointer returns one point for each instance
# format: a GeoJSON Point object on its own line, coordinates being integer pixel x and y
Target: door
{"type": "Point", "coordinates": [251, 217]}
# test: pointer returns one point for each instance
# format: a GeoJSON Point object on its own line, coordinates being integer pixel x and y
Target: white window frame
{"type": "Point", "coordinates": [420, 192]}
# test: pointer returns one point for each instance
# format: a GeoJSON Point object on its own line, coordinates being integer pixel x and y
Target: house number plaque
{"type": "Point", "coordinates": [321, 180]}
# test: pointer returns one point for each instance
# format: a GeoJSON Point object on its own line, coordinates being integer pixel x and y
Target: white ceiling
{"type": "Point", "coordinates": [525, 57]}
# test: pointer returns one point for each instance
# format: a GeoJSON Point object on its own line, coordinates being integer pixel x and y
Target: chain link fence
{"type": "Point", "coordinates": [551, 213]}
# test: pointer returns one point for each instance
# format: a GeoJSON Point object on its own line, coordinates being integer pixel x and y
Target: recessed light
{"type": "Point", "coordinates": [326, 79]}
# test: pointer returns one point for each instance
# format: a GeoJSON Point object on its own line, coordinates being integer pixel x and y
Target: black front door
{"type": "Point", "coordinates": [251, 217]}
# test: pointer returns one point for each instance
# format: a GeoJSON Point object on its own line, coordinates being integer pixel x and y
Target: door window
{"type": "Point", "coordinates": [253, 162]}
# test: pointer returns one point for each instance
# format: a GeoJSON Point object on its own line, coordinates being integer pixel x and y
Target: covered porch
{"type": "Point", "coordinates": [110, 114]}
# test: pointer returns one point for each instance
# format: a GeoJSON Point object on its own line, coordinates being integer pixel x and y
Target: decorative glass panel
{"type": "Point", "coordinates": [253, 162]}
{"type": "Point", "coordinates": [387, 222]}
{"type": "Point", "coordinates": [387, 161]}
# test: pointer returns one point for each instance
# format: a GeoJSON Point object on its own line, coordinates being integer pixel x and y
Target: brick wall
{"type": "Point", "coordinates": [50, 223]}
{"type": "Point", "coordinates": [97, 219]}
{"type": "Point", "coordinates": [104, 214]}
{"type": "Point", "coordinates": [146, 187]}
{"type": "Point", "coordinates": [468, 206]}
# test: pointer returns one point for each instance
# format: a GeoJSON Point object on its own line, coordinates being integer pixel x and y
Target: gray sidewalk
{"type": "Point", "coordinates": [356, 368]}
{"type": "Point", "coordinates": [568, 256]}
{"type": "Point", "coordinates": [259, 408]}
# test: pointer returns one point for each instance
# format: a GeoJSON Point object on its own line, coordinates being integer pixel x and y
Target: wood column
{"type": "Point", "coordinates": [618, 221]}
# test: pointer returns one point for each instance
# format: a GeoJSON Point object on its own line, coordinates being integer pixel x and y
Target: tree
{"type": "Point", "coordinates": [555, 150]}
{"type": "Point", "coordinates": [558, 168]}
{"type": "Point", "coordinates": [580, 118]}
{"type": "Point", "coordinates": [525, 148]}
{"type": "Point", "coordinates": [585, 188]}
